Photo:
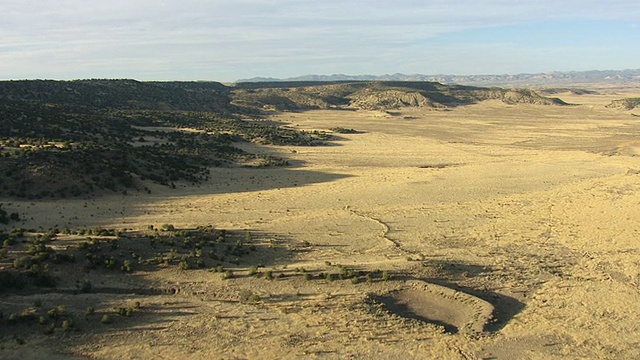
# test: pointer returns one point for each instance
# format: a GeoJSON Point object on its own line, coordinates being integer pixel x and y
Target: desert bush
{"type": "Point", "coordinates": [184, 264]}
{"type": "Point", "coordinates": [167, 227]}
{"type": "Point", "coordinates": [253, 270]}
{"type": "Point", "coordinates": [67, 325]}
{"type": "Point", "coordinates": [228, 274]}
{"type": "Point", "coordinates": [106, 319]}
{"type": "Point", "coordinates": [127, 266]}
{"type": "Point", "coordinates": [341, 130]}
{"type": "Point", "coordinates": [249, 297]}
{"type": "Point", "coordinates": [268, 275]}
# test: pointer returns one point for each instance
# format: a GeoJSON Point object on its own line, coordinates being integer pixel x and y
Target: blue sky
{"type": "Point", "coordinates": [229, 40]}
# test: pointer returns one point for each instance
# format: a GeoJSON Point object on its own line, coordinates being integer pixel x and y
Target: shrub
{"type": "Point", "coordinates": [341, 130]}
{"type": "Point", "coordinates": [67, 325]}
{"type": "Point", "coordinates": [227, 274]}
{"type": "Point", "coordinates": [106, 319]}
{"type": "Point", "coordinates": [253, 270]}
{"type": "Point", "coordinates": [53, 313]}
{"type": "Point", "coordinates": [167, 227]}
{"type": "Point", "coordinates": [126, 266]}
{"type": "Point", "coordinates": [268, 275]}
{"type": "Point", "coordinates": [184, 265]}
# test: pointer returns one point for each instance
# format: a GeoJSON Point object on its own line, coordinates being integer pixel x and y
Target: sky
{"type": "Point", "coordinates": [234, 39]}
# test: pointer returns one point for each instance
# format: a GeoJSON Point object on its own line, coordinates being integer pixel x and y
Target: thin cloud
{"type": "Point", "coordinates": [226, 40]}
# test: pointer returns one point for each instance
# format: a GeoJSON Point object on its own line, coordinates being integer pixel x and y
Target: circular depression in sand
{"type": "Point", "coordinates": [456, 311]}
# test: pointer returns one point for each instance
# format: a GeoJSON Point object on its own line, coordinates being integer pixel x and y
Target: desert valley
{"type": "Point", "coordinates": [345, 220]}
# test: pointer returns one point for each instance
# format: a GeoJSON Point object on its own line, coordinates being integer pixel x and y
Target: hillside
{"type": "Point", "coordinates": [292, 96]}
{"type": "Point", "coordinates": [60, 139]}
{"type": "Point", "coordinates": [625, 104]}
{"type": "Point", "coordinates": [69, 138]}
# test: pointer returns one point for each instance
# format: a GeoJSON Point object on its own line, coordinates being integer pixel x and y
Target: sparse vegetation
{"type": "Point", "coordinates": [625, 104]}
{"type": "Point", "coordinates": [341, 130]}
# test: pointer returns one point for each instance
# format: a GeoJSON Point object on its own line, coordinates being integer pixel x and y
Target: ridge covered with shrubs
{"type": "Point", "coordinates": [70, 138]}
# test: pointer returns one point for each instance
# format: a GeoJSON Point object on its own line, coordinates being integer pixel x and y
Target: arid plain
{"type": "Point", "coordinates": [506, 231]}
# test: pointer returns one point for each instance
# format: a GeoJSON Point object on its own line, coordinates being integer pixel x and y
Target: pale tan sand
{"type": "Point", "coordinates": [532, 208]}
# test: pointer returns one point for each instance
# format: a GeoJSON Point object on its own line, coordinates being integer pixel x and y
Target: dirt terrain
{"type": "Point", "coordinates": [490, 231]}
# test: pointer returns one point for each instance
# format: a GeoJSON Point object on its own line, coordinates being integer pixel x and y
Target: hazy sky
{"type": "Point", "coordinates": [233, 39]}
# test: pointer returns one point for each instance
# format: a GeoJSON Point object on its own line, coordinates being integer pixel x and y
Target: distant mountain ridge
{"type": "Point", "coordinates": [522, 80]}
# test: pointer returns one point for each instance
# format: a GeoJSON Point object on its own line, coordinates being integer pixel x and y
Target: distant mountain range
{"type": "Point", "coordinates": [521, 80]}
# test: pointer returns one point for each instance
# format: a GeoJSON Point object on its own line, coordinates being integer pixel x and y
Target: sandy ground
{"type": "Point", "coordinates": [523, 217]}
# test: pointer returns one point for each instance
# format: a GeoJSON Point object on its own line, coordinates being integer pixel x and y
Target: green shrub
{"type": "Point", "coordinates": [268, 275]}
{"type": "Point", "coordinates": [253, 270]}
{"type": "Point", "coordinates": [248, 296]}
{"type": "Point", "coordinates": [67, 325]}
{"type": "Point", "coordinates": [227, 274]}
{"type": "Point", "coordinates": [127, 266]}
{"type": "Point", "coordinates": [106, 319]}
{"type": "Point", "coordinates": [184, 265]}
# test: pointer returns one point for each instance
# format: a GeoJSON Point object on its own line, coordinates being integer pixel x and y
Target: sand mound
{"type": "Point", "coordinates": [456, 311]}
